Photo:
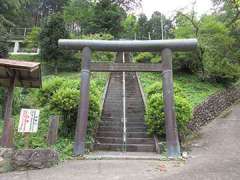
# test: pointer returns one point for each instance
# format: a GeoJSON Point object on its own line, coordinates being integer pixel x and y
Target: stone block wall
{"type": "Point", "coordinates": [213, 106]}
{"type": "Point", "coordinates": [27, 159]}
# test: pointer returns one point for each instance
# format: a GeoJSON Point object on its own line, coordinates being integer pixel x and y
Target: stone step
{"type": "Point", "coordinates": [120, 129]}
{"type": "Point", "coordinates": [110, 132]}
{"type": "Point", "coordinates": [118, 123]}
{"type": "Point", "coordinates": [129, 147]}
{"type": "Point", "coordinates": [132, 117]}
{"type": "Point", "coordinates": [120, 140]}
{"type": "Point", "coordinates": [116, 117]}
{"type": "Point", "coordinates": [120, 134]}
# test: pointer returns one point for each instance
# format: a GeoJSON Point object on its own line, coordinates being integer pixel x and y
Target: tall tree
{"type": "Point", "coordinates": [215, 53]}
{"type": "Point", "coordinates": [8, 9]}
{"type": "Point", "coordinates": [107, 18]}
{"type": "Point", "coordinates": [53, 29]}
{"type": "Point", "coordinates": [158, 22]}
{"type": "Point", "coordinates": [32, 12]}
{"type": "Point", "coordinates": [78, 15]}
{"type": "Point", "coordinates": [128, 4]}
{"type": "Point", "coordinates": [52, 6]}
{"type": "Point", "coordinates": [228, 10]}
{"type": "Point", "coordinates": [130, 27]}
{"type": "Point", "coordinates": [142, 27]}
{"type": "Point", "coordinates": [187, 26]}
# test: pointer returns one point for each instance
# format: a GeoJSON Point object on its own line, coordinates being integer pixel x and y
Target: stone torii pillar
{"type": "Point", "coordinates": [82, 118]}
{"type": "Point", "coordinates": [169, 107]}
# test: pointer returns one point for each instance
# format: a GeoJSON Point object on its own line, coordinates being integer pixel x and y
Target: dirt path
{"type": "Point", "coordinates": [215, 156]}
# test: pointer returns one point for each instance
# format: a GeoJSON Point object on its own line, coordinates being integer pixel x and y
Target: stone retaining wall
{"type": "Point", "coordinates": [213, 106]}
{"type": "Point", "coordinates": [27, 159]}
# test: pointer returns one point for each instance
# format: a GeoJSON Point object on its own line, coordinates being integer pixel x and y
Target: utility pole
{"type": "Point", "coordinates": [149, 35]}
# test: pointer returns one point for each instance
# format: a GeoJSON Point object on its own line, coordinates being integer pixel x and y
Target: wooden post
{"type": "Point", "coordinates": [4, 102]}
{"type": "Point", "coordinates": [173, 146]}
{"type": "Point", "coordinates": [53, 130]}
{"type": "Point", "coordinates": [82, 118]}
{"type": "Point", "coordinates": [7, 136]}
{"type": "Point", "coordinates": [26, 140]}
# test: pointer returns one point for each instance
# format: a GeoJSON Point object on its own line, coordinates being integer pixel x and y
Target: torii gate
{"type": "Point", "coordinates": [166, 47]}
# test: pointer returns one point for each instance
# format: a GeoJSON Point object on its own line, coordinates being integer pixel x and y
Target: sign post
{"type": "Point", "coordinates": [28, 123]}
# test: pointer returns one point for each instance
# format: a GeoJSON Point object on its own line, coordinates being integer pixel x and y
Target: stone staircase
{"type": "Point", "coordinates": [110, 132]}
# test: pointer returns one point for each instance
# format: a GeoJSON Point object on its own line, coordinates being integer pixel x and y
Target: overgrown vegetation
{"type": "Point", "coordinates": [147, 57]}
{"type": "Point", "coordinates": [155, 115]}
{"type": "Point", "coordinates": [193, 88]}
{"type": "Point", "coordinates": [59, 96]}
{"type": "Point", "coordinates": [155, 111]}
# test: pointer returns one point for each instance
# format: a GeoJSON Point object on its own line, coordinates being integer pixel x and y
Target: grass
{"type": "Point", "coordinates": [196, 91]}
{"type": "Point", "coordinates": [25, 57]}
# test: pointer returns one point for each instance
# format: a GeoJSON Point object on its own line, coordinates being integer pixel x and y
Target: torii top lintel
{"type": "Point", "coordinates": [130, 45]}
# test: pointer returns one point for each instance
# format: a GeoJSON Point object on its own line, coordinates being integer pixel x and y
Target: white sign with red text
{"type": "Point", "coordinates": [28, 120]}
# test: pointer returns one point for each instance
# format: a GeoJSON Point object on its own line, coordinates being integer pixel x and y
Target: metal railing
{"type": "Point", "coordinates": [19, 33]}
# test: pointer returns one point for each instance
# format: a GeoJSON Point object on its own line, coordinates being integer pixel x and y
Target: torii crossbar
{"type": "Point", "coordinates": [166, 47]}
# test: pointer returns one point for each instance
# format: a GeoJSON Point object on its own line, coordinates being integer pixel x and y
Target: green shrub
{"type": "Point", "coordinates": [144, 57]}
{"type": "Point", "coordinates": [157, 88]}
{"type": "Point", "coordinates": [65, 102]}
{"type": "Point", "coordinates": [50, 86]}
{"type": "Point", "coordinates": [32, 39]}
{"type": "Point", "coordinates": [63, 97]}
{"type": "Point", "coordinates": [155, 115]}
{"type": "Point", "coordinates": [156, 59]}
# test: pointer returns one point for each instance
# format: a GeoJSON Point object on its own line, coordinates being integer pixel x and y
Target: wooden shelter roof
{"type": "Point", "coordinates": [28, 74]}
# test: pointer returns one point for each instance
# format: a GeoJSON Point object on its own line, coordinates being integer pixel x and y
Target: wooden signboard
{"type": "Point", "coordinates": [13, 74]}
{"type": "Point", "coordinates": [28, 121]}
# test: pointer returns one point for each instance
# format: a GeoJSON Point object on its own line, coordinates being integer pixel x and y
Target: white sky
{"type": "Point", "coordinates": [168, 7]}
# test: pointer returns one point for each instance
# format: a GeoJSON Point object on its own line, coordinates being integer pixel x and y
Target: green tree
{"type": "Point", "coordinates": [128, 4]}
{"type": "Point", "coordinates": [228, 10]}
{"type": "Point", "coordinates": [78, 15]}
{"type": "Point", "coordinates": [187, 26]}
{"type": "Point", "coordinates": [156, 25]}
{"type": "Point", "coordinates": [32, 12]}
{"type": "Point", "coordinates": [143, 27]}
{"type": "Point", "coordinates": [3, 42]}
{"type": "Point", "coordinates": [107, 18]}
{"type": "Point", "coordinates": [53, 29]}
{"type": "Point", "coordinates": [215, 53]}
{"type": "Point", "coordinates": [219, 60]}
{"type": "Point", "coordinates": [47, 7]}
{"type": "Point", "coordinates": [130, 27]}
{"type": "Point", "coordinates": [8, 10]}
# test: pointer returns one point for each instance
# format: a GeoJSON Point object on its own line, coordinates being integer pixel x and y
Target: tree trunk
{"type": "Point", "coordinates": [56, 67]}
